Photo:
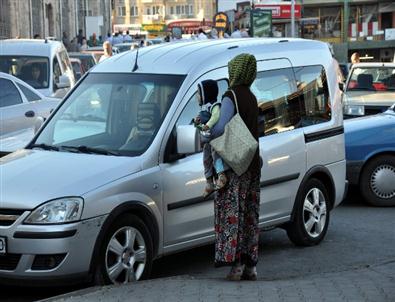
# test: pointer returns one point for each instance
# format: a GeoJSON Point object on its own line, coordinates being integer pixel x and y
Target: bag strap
{"type": "Point", "coordinates": [234, 95]}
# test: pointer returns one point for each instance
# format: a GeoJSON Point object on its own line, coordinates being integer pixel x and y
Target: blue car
{"type": "Point", "coordinates": [370, 154]}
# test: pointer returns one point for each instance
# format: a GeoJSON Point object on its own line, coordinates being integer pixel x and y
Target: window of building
{"type": "Point", "coordinates": [171, 10]}
{"type": "Point", "coordinates": [314, 95]}
{"type": "Point", "coordinates": [148, 11]}
{"type": "Point", "coordinates": [178, 10]}
{"type": "Point", "coordinates": [121, 11]}
{"type": "Point", "coordinates": [156, 10]}
{"type": "Point", "coordinates": [134, 11]}
{"type": "Point", "coordinates": [191, 9]}
{"type": "Point", "coordinates": [182, 9]}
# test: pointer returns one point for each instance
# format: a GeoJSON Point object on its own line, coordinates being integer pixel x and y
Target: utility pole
{"type": "Point", "coordinates": [345, 20]}
{"type": "Point", "coordinates": [293, 18]}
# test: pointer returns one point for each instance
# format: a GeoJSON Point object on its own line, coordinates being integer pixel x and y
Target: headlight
{"type": "Point", "coordinates": [354, 110]}
{"type": "Point", "coordinates": [61, 210]}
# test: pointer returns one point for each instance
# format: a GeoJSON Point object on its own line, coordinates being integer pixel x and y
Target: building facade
{"type": "Point", "coordinates": [154, 17]}
{"type": "Point", "coordinates": [50, 18]}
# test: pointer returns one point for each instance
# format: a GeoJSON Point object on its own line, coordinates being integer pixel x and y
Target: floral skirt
{"type": "Point", "coordinates": [236, 220]}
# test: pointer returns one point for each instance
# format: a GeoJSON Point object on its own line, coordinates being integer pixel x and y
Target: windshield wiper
{"type": "Point", "coordinates": [86, 149]}
{"type": "Point", "coordinates": [45, 147]}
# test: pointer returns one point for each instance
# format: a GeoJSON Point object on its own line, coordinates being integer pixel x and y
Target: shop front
{"type": "Point", "coordinates": [189, 26]}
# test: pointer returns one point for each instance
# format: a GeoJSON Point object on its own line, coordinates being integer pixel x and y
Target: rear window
{"type": "Point", "coordinates": [372, 79]}
{"type": "Point", "coordinates": [31, 69]}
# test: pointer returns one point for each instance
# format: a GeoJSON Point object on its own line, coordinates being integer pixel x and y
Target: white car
{"type": "Point", "coordinates": [370, 89]}
{"type": "Point", "coordinates": [21, 108]}
{"type": "Point", "coordinates": [43, 64]}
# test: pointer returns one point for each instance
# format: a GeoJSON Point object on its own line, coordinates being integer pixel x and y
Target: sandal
{"type": "Point", "coordinates": [235, 273]}
{"type": "Point", "coordinates": [249, 273]}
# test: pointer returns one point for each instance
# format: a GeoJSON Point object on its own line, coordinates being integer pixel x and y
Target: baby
{"type": "Point", "coordinates": [207, 94]}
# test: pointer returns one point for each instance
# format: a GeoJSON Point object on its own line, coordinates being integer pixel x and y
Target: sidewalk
{"type": "Point", "coordinates": [375, 283]}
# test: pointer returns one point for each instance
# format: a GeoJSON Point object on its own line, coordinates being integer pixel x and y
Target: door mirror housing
{"type": "Point", "coordinates": [188, 140]}
{"type": "Point", "coordinates": [64, 82]}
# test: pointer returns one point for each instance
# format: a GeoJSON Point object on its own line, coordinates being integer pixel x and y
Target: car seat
{"type": "Point", "coordinates": [148, 118]}
{"type": "Point", "coordinates": [365, 81]}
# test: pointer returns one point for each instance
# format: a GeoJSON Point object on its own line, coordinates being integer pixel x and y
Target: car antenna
{"type": "Point", "coordinates": [135, 63]}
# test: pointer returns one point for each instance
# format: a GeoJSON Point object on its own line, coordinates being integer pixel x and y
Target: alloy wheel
{"type": "Point", "coordinates": [314, 212]}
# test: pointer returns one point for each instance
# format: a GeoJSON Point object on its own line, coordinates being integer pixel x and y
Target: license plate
{"type": "Point", "coordinates": [3, 245]}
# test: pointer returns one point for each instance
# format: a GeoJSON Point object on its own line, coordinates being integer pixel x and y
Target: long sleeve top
{"type": "Point", "coordinates": [226, 114]}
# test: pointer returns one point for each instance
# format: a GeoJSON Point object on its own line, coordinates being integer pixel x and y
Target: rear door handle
{"type": "Point", "coordinates": [29, 113]}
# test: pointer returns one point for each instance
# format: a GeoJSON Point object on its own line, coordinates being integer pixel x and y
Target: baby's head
{"type": "Point", "coordinates": [207, 92]}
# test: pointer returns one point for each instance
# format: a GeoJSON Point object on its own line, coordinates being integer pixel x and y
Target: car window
{"type": "Point", "coordinates": [192, 109]}
{"type": "Point", "coordinates": [9, 94]}
{"type": "Point", "coordinates": [372, 79]}
{"type": "Point", "coordinates": [30, 69]}
{"type": "Point", "coordinates": [115, 112]}
{"type": "Point", "coordinates": [278, 102]}
{"type": "Point", "coordinates": [29, 94]}
{"type": "Point", "coordinates": [314, 94]}
{"type": "Point", "coordinates": [56, 71]}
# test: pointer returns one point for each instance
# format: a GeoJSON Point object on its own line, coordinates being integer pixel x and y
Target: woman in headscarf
{"type": "Point", "coordinates": [237, 205]}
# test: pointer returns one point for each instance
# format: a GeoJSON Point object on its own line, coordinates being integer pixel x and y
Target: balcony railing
{"type": "Point", "coordinates": [150, 18]}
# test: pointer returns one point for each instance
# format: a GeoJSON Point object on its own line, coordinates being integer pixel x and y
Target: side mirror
{"type": "Point", "coordinates": [341, 86]}
{"type": "Point", "coordinates": [38, 123]}
{"type": "Point", "coordinates": [188, 140]}
{"type": "Point", "coordinates": [64, 82]}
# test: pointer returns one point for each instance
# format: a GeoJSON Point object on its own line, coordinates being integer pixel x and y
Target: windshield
{"type": "Point", "coordinates": [372, 79]}
{"type": "Point", "coordinates": [32, 70]}
{"type": "Point", "coordinates": [118, 113]}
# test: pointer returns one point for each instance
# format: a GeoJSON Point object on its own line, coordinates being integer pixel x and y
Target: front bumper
{"type": "Point", "coordinates": [48, 252]}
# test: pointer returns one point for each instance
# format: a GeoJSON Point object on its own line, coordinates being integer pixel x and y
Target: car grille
{"type": "Point", "coordinates": [8, 217]}
{"type": "Point", "coordinates": [9, 262]}
{"type": "Point", "coordinates": [370, 110]}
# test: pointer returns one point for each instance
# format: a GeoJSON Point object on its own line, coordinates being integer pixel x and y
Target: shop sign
{"type": "Point", "coordinates": [261, 23]}
{"type": "Point", "coordinates": [221, 21]}
{"type": "Point", "coordinates": [281, 11]}
{"type": "Point", "coordinates": [154, 27]}
{"type": "Point", "coordinates": [190, 25]}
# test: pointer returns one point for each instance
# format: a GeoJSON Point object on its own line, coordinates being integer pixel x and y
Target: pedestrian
{"type": "Point", "coordinates": [355, 58]}
{"type": "Point", "coordinates": [201, 35]}
{"type": "Point", "coordinates": [107, 51]}
{"type": "Point", "coordinates": [74, 45]}
{"type": "Point", "coordinates": [236, 33]}
{"type": "Point", "coordinates": [237, 205]}
{"type": "Point", "coordinates": [207, 94]}
{"type": "Point", "coordinates": [84, 45]}
{"type": "Point", "coordinates": [127, 38]}
{"type": "Point", "coordinates": [214, 33]}
{"type": "Point", "coordinates": [109, 38]}
{"type": "Point", "coordinates": [93, 41]}
{"type": "Point", "coordinates": [80, 37]}
{"type": "Point", "coordinates": [65, 40]}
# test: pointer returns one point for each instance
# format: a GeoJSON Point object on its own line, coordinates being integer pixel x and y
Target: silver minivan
{"type": "Point", "coordinates": [114, 178]}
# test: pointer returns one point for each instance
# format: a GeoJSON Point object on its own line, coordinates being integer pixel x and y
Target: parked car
{"type": "Point", "coordinates": [370, 89]}
{"type": "Point", "coordinates": [115, 175]}
{"type": "Point", "coordinates": [370, 154]}
{"type": "Point", "coordinates": [77, 68]}
{"type": "Point", "coordinates": [43, 64]}
{"type": "Point", "coordinates": [122, 47]}
{"type": "Point", "coordinates": [98, 51]}
{"type": "Point", "coordinates": [87, 60]}
{"type": "Point", "coordinates": [20, 107]}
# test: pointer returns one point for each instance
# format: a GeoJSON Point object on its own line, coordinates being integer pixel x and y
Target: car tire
{"type": "Point", "coordinates": [377, 182]}
{"type": "Point", "coordinates": [122, 260]}
{"type": "Point", "coordinates": [311, 215]}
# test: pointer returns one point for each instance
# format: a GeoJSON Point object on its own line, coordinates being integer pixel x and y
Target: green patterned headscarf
{"type": "Point", "coordinates": [242, 70]}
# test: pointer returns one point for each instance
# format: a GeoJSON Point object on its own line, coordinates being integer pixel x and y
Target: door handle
{"type": "Point", "coordinates": [29, 113]}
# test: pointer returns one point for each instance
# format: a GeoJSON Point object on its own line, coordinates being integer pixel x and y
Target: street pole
{"type": "Point", "coordinates": [345, 21]}
{"type": "Point", "coordinates": [293, 18]}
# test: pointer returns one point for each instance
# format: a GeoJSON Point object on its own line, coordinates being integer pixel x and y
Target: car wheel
{"type": "Point", "coordinates": [377, 182]}
{"type": "Point", "coordinates": [126, 253]}
{"type": "Point", "coordinates": [311, 216]}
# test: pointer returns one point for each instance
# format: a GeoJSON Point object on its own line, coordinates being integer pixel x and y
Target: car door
{"type": "Point", "coordinates": [282, 146]}
{"type": "Point", "coordinates": [188, 219]}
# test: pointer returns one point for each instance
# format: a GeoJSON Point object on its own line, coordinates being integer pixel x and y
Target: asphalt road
{"type": "Point", "coordinates": [359, 236]}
